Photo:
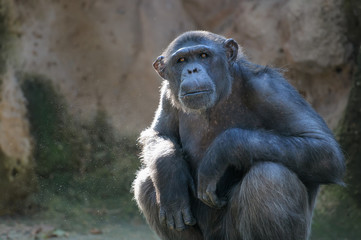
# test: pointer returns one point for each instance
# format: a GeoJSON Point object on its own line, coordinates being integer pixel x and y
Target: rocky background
{"type": "Point", "coordinates": [77, 84]}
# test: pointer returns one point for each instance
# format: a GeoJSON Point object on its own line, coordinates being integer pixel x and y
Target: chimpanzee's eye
{"type": "Point", "coordinates": [182, 59]}
{"type": "Point", "coordinates": [204, 55]}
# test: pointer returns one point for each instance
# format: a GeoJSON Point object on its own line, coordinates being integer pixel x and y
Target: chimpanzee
{"type": "Point", "coordinates": [234, 152]}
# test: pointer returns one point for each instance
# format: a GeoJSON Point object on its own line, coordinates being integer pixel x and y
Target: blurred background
{"type": "Point", "coordinates": [77, 86]}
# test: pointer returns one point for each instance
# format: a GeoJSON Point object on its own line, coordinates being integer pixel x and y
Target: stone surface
{"type": "Point", "coordinates": [99, 53]}
{"type": "Point", "coordinates": [17, 178]}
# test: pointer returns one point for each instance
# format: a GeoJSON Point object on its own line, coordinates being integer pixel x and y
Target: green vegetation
{"type": "Point", "coordinates": [336, 216]}
{"type": "Point", "coordinates": [85, 170]}
{"type": "Point", "coordinates": [57, 147]}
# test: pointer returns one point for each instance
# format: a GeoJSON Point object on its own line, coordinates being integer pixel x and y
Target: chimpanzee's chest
{"type": "Point", "coordinates": [198, 130]}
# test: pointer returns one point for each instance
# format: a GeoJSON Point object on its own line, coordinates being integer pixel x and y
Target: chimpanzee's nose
{"type": "Point", "coordinates": [195, 70]}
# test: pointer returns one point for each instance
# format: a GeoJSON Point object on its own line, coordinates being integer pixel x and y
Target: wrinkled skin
{"type": "Point", "coordinates": [234, 152]}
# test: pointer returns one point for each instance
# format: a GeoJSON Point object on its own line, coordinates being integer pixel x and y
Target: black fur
{"type": "Point", "coordinates": [234, 152]}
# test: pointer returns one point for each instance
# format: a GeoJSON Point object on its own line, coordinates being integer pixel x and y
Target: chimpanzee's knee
{"type": "Point", "coordinates": [272, 203]}
{"type": "Point", "coordinates": [145, 195]}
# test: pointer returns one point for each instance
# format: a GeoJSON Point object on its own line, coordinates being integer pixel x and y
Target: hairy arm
{"type": "Point", "coordinates": [162, 154]}
{"type": "Point", "coordinates": [295, 136]}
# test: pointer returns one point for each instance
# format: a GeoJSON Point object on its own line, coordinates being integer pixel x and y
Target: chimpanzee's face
{"type": "Point", "coordinates": [198, 73]}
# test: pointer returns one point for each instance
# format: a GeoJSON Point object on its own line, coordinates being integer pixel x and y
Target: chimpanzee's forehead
{"type": "Point", "coordinates": [192, 38]}
{"type": "Point", "coordinates": [192, 48]}
{"type": "Point", "coordinates": [191, 43]}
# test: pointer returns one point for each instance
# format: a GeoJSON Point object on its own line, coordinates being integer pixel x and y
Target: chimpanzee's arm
{"type": "Point", "coordinates": [169, 171]}
{"type": "Point", "coordinates": [295, 136]}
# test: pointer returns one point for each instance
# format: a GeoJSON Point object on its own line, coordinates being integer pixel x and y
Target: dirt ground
{"type": "Point", "coordinates": [16, 229]}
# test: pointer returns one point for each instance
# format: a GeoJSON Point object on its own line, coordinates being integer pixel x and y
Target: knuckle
{"type": "Point", "coordinates": [180, 227]}
{"type": "Point", "coordinates": [190, 222]}
{"type": "Point", "coordinates": [170, 225]}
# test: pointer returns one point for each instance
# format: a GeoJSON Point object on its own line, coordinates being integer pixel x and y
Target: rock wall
{"type": "Point", "coordinates": [17, 177]}
{"type": "Point", "coordinates": [99, 54]}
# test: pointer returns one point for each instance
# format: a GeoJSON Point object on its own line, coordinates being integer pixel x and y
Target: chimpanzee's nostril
{"type": "Point", "coordinates": [189, 71]}
{"type": "Point", "coordinates": [195, 70]}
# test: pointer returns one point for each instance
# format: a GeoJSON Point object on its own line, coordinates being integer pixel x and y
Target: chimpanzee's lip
{"type": "Point", "coordinates": [198, 92]}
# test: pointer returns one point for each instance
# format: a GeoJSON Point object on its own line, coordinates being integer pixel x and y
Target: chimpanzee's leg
{"type": "Point", "coordinates": [271, 203]}
{"type": "Point", "coordinates": [145, 196]}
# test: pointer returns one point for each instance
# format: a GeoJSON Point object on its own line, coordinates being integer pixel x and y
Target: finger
{"type": "Point", "coordinates": [179, 224]}
{"type": "Point", "coordinates": [211, 194]}
{"type": "Point", "coordinates": [170, 222]}
{"type": "Point", "coordinates": [188, 217]}
{"type": "Point", "coordinates": [162, 216]}
{"type": "Point", "coordinates": [206, 200]}
{"type": "Point", "coordinates": [216, 202]}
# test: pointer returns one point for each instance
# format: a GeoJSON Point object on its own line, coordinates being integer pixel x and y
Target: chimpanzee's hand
{"type": "Point", "coordinates": [175, 211]}
{"type": "Point", "coordinates": [209, 173]}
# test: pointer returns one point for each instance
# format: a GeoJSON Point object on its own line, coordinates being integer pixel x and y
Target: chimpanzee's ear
{"type": "Point", "coordinates": [231, 49]}
{"type": "Point", "coordinates": [159, 66]}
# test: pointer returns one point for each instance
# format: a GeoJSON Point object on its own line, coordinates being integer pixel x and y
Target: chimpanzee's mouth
{"type": "Point", "coordinates": [194, 93]}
